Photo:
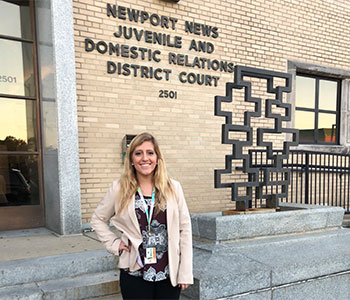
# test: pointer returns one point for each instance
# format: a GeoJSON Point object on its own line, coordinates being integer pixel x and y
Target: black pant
{"type": "Point", "coordinates": [133, 287]}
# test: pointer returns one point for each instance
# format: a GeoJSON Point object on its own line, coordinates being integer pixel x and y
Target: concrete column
{"type": "Point", "coordinates": [59, 115]}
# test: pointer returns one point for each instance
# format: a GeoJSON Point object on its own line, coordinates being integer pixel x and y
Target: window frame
{"type": "Point", "coordinates": [316, 110]}
{"type": "Point", "coordinates": [27, 216]}
{"type": "Point", "coordinates": [34, 49]}
{"type": "Point", "coordinates": [34, 98]}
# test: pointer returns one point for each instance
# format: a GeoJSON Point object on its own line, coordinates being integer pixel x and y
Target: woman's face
{"type": "Point", "coordinates": [144, 159]}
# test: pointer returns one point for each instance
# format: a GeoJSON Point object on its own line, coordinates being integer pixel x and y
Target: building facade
{"type": "Point", "coordinates": [78, 78]}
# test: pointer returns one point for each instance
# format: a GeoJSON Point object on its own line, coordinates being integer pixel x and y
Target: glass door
{"type": "Point", "coordinates": [21, 197]}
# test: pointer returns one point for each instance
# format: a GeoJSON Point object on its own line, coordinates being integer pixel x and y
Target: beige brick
{"type": "Point", "coordinates": [255, 33]}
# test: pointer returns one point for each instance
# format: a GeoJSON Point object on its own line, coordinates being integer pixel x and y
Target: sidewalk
{"type": "Point", "coordinates": [20, 244]}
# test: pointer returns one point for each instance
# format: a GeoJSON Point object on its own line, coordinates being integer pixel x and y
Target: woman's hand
{"type": "Point", "coordinates": [183, 286]}
{"type": "Point", "coordinates": [123, 247]}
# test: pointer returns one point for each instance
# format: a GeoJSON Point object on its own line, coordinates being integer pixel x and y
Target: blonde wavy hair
{"type": "Point", "coordinates": [128, 181]}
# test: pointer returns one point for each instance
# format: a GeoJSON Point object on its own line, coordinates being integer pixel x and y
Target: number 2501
{"type": "Point", "coordinates": [167, 94]}
{"type": "Point", "coordinates": [9, 79]}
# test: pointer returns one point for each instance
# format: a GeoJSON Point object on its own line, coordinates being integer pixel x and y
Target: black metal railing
{"type": "Point", "coordinates": [321, 178]}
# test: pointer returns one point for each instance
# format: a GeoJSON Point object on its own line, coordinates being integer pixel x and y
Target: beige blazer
{"type": "Point", "coordinates": [178, 225]}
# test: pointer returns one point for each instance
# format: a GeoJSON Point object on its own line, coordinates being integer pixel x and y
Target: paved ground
{"type": "Point", "coordinates": [42, 242]}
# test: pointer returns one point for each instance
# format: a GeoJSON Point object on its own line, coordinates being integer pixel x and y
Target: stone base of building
{"type": "Point", "coordinates": [301, 252]}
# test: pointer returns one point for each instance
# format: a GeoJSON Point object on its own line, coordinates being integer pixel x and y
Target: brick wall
{"type": "Point", "coordinates": [263, 34]}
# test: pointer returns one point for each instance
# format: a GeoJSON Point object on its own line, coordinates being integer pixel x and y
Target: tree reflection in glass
{"type": "Point", "coordinates": [17, 125]}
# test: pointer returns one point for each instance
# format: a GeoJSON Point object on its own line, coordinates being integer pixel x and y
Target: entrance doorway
{"type": "Point", "coordinates": [21, 196]}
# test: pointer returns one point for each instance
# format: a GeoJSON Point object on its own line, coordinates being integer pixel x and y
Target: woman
{"type": "Point", "coordinates": [150, 211]}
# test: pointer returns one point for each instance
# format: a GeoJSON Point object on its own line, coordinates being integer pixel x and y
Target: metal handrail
{"type": "Point", "coordinates": [312, 182]}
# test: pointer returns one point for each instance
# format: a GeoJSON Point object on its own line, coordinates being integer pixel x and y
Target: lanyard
{"type": "Point", "coordinates": [150, 212]}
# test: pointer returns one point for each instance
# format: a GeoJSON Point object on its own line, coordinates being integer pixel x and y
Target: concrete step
{"type": "Point", "coordinates": [31, 270]}
{"type": "Point", "coordinates": [119, 297]}
{"type": "Point", "coordinates": [80, 287]}
{"type": "Point", "coordinates": [110, 297]}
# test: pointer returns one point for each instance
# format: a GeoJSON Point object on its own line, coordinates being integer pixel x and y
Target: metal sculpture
{"type": "Point", "coordinates": [244, 201]}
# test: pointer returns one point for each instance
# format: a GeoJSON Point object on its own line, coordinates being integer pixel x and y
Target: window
{"type": "Point", "coordinates": [317, 109]}
{"type": "Point", "coordinates": [19, 109]}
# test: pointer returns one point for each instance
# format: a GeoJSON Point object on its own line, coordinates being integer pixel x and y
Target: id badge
{"type": "Point", "coordinates": [150, 256]}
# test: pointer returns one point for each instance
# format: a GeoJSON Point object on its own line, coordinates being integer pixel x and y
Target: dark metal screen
{"type": "Point", "coordinates": [274, 177]}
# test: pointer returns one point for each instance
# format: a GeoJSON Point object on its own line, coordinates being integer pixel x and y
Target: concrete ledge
{"type": "Point", "coordinates": [52, 267]}
{"type": "Point", "coordinates": [81, 287]}
{"type": "Point", "coordinates": [259, 266]}
{"type": "Point", "coordinates": [292, 219]}
{"type": "Point", "coordinates": [72, 288]}
{"type": "Point", "coordinates": [28, 291]}
{"type": "Point", "coordinates": [333, 287]}
{"type": "Point", "coordinates": [222, 275]}
{"type": "Point", "coordinates": [260, 295]}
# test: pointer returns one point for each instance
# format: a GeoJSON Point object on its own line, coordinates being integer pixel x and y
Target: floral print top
{"type": "Point", "coordinates": [158, 239]}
